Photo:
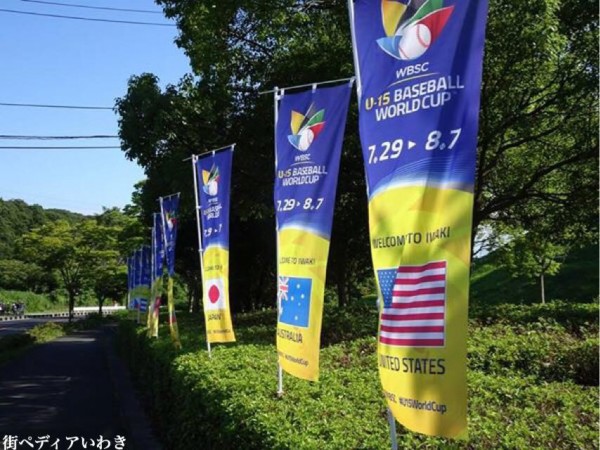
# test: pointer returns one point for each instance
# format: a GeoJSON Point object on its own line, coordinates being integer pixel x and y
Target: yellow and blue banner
{"type": "Point", "coordinates": [144, 280]}
{"type": "Point", "coordinates": [169, 209]}
{"type": "Point", "coordinates": [136, 279]}
{"type": "Point", "coordinates": [213, 173]}
{"type": "Point", "coordinates": [419, 67]}
{"type": "Point", "coordinates": [309, 136]}
{"type": "Point", "coordinates": [158, 256]}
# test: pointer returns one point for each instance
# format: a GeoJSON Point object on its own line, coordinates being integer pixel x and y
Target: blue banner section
{"type": "Point", "coordinates": [137, 269]}
{"type": "Point", "coordinates": [214, 185]}
{"type": "Point", "coordinates": [310, 131]}
{"type": "Point", "coordinates": [146, 270]}
{"type": "Point", "coordinates": [169, 207]}
{"type": "Point", "coordinates": [136, 272]}
{"type": "Point", "coordinates": [420, 89]}
{"type": "Point", "coordinates": [158, 251]}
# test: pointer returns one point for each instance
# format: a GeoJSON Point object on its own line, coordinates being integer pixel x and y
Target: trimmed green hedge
{"type": "Point", "coordinates": [573, 316]}
{"type": "Point", "coordinates": [229, 401]}
{"type": "Point", "coordinates": [544, 351]}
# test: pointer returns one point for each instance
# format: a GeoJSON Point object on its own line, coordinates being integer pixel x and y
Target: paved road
{"type": "Point", "coordinates": [73, 386]}
{"type": "Point", "coordinates": [20, 326]}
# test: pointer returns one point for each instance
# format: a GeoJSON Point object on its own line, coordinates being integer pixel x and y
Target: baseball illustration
{"type": "Point", "coordinates": [415, 41]}
{"type": "Point", "coordinates": [212, 187]}
{"type": "Point", "coordinates": [306, 138]}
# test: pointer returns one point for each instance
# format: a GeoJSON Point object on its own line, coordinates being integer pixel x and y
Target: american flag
{"type": "Point", "coordinates": [414, 311]}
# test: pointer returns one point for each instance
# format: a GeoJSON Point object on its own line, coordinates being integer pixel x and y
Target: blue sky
{"type": "Point", "coordinates": [59, 61]}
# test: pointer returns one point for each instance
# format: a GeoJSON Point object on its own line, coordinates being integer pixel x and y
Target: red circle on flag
{"type": "Point", "coordinates": [214, 294]}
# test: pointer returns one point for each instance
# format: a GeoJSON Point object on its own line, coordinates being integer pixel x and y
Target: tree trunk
{"type": "Point", "coordinates": [100, 303]}
{"type": "Point", "coordinates": [71, 305]}
{"type": "Point", "coordinates": [543, 289]}
{"type": "Point", "coordinates": [341, 285]}
{"type": "Point", "coordinates": [190, 299]}
{"type": "Point", "coordinates": [197, 297]}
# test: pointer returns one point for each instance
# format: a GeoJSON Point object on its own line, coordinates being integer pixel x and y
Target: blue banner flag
{"type": "Point", "coordinates": [158, 248]}
{"type": "Point", "coordinates": [419, 67]}
{"type": "Point", "coordinates": [309, 135]}
{"type": "Point", "coordinates": [145, 275]}
{"type": "Point", "coordinates": [169, 207]}
{"type": "Point", "coordinates": [136, 262]}
{"type": "Point", "coordinates": [158, 255]}
{"type": "Point", "coordinates": [213, 176]}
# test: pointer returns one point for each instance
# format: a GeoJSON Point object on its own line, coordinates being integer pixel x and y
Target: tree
{"type": "Point", "coordinates": [534, 255]}
{"type": "Point", "coordinates": [537, 144]}
{"type": "Point", "coordinates": [109, 282]}
{"type": "Point", "coordinates": [73, 251]}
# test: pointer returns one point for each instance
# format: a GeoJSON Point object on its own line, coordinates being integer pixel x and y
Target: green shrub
{"type": "Point", "coordinates": [574, 316]}
{"type": "Point", "coordinates": [229, 400]}
{"type": "Point", "coordinates": [46, 332]}
{"type": "Point", "coordinates": [544, 351]}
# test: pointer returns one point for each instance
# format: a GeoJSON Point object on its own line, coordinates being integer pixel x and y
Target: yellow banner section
{"type": "Point", "coordinates": [173, 328]}
{"type": "Point", "coordinates": [215, 279]}
{"type": "Point", "coordinates": [420, 243]}
{"type": "Point", "coordinates": [154, 306]}
{"type": "Point", "coordinates": [302, 267]}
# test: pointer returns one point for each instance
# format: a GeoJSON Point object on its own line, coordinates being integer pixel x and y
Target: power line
{"type": "Point", "coordinates": [47, 138]}
{"type": "Point", "coordinates": [62, 147]}
{"type": "Point", "coordinates": [33, 105]}
{"type": "Point", "coordinates": [148, 11]}
{"type": "Point", "coordinates": [59, 16]}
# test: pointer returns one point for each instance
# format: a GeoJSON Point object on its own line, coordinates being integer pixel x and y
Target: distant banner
{"type": "Point", "coordinates": [169, 207]}
{"type": "Point", "coordinates": [213, 173]}
{"type": "Point", "coordinates": [145, 271]}
{"type": "Point", "coordinates": [419, 77]}
{"type": "Point", "coordinates": [136, 274]}
{"type": "Point", "coordinates": [310, 131]}
{"type": "Point", "coordinates": [158, 256]}
{"type": "Point", "coordinates": [130, 281]}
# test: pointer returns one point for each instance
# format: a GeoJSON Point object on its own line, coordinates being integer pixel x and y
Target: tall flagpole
{"type": "Point", "coordinates": [390, 416]}
{"type": "Point", "coordinates": [355, 50]}
{"type": "Point", "coordinates": [200, 247]}
{"type": "Point", "coordinates": [150, 307]}
{"type": "Point", "coordinates": [277, 97]}
{"type": "Point", "coordinates": [171, 302]}
{"type": "Point", "coordinates": [138, 281]}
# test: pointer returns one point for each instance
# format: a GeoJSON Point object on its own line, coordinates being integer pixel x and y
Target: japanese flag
{"type": "Point", "coordinates": [214, 294]}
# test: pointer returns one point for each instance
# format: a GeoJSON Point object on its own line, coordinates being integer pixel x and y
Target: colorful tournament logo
{"type": "Point", "coordinates": [306, 127]}
{"type": "Point", "coordinates": [171, 220]}
{"type": "Point", "coordinates": [211, 181]}
{"type": "Point", "coordinates": [412, 26]}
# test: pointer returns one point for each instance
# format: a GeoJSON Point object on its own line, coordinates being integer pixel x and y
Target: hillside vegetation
{"type": "Point", "coordinates": [577, 280]}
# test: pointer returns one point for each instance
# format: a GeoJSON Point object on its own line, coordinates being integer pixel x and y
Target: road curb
{"type": "Point", "coordinates": [54, 314]}
{"type": "Point", "coordinates": [140, 433]}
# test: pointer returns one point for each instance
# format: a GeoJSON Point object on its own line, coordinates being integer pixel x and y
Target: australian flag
{"type": "Point", "coordinates": [294, 297]}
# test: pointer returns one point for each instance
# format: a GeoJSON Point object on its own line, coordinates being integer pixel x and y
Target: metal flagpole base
{"type": "Point", "coordinates": [392, 422]}
{"type": "Point", "coordinates": [279, 381]}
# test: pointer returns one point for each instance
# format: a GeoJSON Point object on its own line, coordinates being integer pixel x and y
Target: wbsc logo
{"type": "Point", "coordinates": [210, 181]}
{"type": "Point", "coordinates": [306, 127]}
{"type": "Point", "coordinates": [412, 26]}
